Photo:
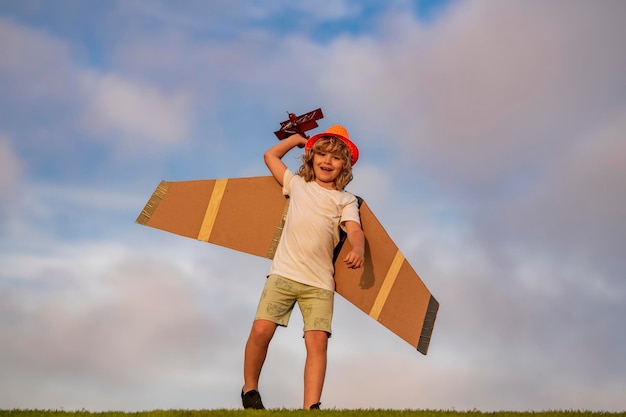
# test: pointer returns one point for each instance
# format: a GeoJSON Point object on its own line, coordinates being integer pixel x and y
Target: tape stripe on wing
{"type": "Point", "coordinates": [385, 289]}
{"type": "Point", "coordinates": [212, 208]}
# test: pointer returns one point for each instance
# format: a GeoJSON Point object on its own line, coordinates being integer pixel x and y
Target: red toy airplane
{"type": "Point", "coordinates": [299, 124]}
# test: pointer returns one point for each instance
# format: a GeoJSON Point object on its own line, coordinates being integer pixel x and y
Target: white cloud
{"type": "Point", "coordinates": [35, 65]}
{"type": "Point", "coordinates": [141, 114]}
{"type": "Point", "coordinates": [117, 318]}
{"type": "Point", "coordinates": [586, 182]}
{"type": "Point", "coordinates": [41, 76]}
{"type": "Point", "coordinates": [575, 211]}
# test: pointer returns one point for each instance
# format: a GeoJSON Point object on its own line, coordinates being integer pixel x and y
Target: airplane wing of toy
{"type": "Point", "coordinates": [247, 214]}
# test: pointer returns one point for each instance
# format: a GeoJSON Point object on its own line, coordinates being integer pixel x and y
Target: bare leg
{"type": "Point", "coordinates": [256, 350]}
{"type": "Point", "coordinates": [316, 342]}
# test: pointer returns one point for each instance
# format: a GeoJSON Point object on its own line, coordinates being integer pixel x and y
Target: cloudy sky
{"type": "Point", "coordinates": [493, 149]}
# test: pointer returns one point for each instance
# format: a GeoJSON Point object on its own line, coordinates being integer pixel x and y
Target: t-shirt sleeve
{"type": "Point", "coordinates": [350, 212]}
{"type": "Point", "coordinates": [287, 177]}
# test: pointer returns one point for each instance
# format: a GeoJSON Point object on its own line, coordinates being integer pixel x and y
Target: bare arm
{"type": "Point", "coordinates": [273, 156]}
{"type": "Point", "coordinates": [356, 237]}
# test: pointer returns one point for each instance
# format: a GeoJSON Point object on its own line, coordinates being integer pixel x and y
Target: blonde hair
{"type": "Point", "coordinates": [335, 146]}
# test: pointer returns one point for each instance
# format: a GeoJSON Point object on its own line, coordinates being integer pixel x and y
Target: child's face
{"type": "Point", "coordinates": [327, 167]}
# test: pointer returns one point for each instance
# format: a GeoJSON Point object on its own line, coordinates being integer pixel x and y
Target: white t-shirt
{"type": "Point", "coordinates": [311, 232]}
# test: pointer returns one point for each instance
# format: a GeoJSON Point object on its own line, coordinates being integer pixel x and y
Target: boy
{"type": "Point", "coordinates": [302, 269]}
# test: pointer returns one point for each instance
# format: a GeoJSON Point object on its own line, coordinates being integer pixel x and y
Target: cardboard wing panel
{"type": "Point", "coordinates": [240, 213]}
{"type": "Point", "coordinates": [178, 207]}
{"type": "Point", "coordinates": [247, 214]}
{"type": "Point", "coordinates": [387, 288]}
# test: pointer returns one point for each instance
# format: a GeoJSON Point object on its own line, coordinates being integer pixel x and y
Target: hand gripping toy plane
{"type": "Point", "coordinates": [247, 214]}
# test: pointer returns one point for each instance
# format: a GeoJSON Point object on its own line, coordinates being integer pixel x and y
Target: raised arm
{"type": "Point", "coordinates": [273, 156]}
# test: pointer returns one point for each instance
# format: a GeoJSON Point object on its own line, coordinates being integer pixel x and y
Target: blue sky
{"type": "Point", "coordinates": [492, 147]}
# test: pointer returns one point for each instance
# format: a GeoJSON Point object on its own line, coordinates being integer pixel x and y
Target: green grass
{"type": "Point", "coordinates": [296, 413]}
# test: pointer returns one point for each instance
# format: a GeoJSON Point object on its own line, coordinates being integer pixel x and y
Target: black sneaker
{"type": "Point", "coordinates": [252, 399]}
{"type": "Point", "coordinates": [315, 406]}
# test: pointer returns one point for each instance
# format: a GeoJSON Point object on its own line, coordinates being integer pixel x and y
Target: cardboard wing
{"type": "Point", "coordinates": [247, 214]}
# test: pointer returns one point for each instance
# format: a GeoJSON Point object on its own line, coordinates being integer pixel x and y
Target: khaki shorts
{"type": "Point", "coordinates": [280, 295]}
